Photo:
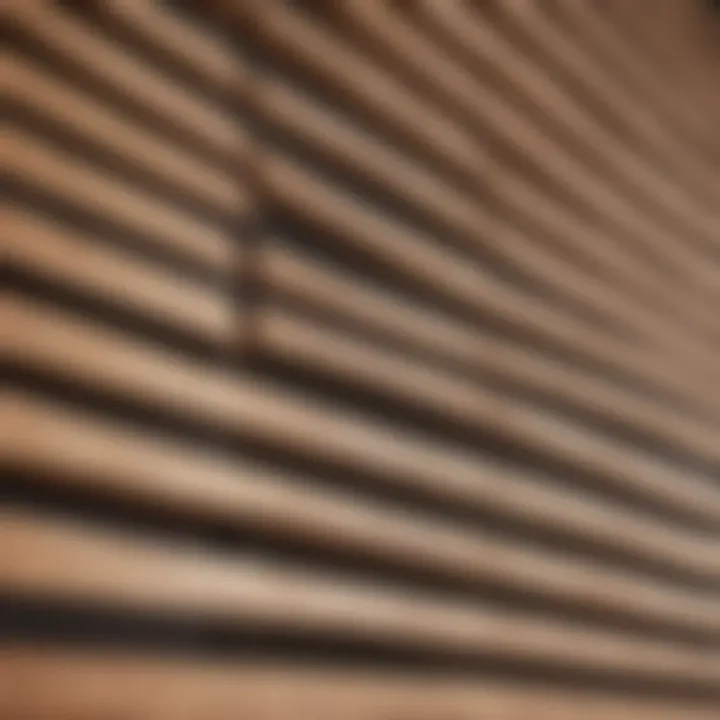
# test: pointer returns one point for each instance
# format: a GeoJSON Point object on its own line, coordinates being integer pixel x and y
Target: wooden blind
{"type": "Point", "coordinates": [362, 359]}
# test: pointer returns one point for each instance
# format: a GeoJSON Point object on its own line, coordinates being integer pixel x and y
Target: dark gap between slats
{"type": "Point", "coordinates": [94, 83]}
{"type": "Point", "coordinates": [114, 164]}
{"type": "Point", "coordinates": [56, 623]}
{"type": "Point", "coordinates": [231, 535]}
{"type": "Point", "coordinates": [505, 450]}
{"type": "Point", "coordinates": [390, 203]}
{"type": "Point", "coordinates": [110, 232]}
{"type": "Point", "coordinates": [321, 473]}
{"type": "Point", "coordinates": [502, 150]}
{"type": "Point", "coordinates": [630, 435]}
{"type": "Point", "coordinates": [333, 250]}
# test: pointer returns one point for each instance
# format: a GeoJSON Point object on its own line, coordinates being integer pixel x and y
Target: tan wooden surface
{"type": "Point", "coordinates": [67, 560]}
{"type": "Point", "coordinates": [116, 461]}
{"type": "Point", "coordinates": [50, 684]}
{"type": "Point", "coordinates": [45, 339]}
{"type": "Point", "coordinates": [235, 230]}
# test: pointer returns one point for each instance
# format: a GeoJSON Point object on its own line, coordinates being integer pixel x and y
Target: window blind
{"type": "Point", "coordinates": [362, 360]}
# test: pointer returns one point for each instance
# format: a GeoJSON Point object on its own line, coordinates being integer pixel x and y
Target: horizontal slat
{"type": "Point", "coordinates": [679, 46]}
{"type": "Point", "coordinates": [64, 559]}
{"type": "Point", "coordinates": [296, 277]}
{"type": "Point", "coordinates": [77, 683]}
{"type": "Point", "coordinates": [513, 212]}
{"type": "Point", "coordinates": [451, 85]}
{"type": "Point", "coordinates": [365, 85]}
{"type": "Point", "coordinates": [476, 408]}
{"type": "Point", "coordinates": [39, 337]}
{"type": "Point", "coordinates": [214, 59]}
{"type": "Point", "coordinates": [81, 261]}
{"type": "Point", "coordinates": [59, 174]}
{"type": "Point", "coordinates": [551, 106]}
{"type": "Point", "coordinates": [471, 225]}
{"type": "Point", "coordinates": [68, 107]}
{"type": "Point", "coordinates": [565, 54]}
{"type": "Point", "coordinates": [414, 255]}
{"type": "Point", "coordinates": [640, 73]}
{"type": "Point", "coordinates": [109, 64]}
{"type": "Point", "coordinates": [118, 460]}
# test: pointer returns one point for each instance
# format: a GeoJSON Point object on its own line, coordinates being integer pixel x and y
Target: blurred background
{"type": "Point", "coordinates": [363, 360]}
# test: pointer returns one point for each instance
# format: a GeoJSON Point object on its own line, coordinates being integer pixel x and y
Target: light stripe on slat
{"type": "Point", "coordinates": [68, 107]}
{"type": "Point", "coordinates": [42, 338]}
{"type": "Point", "coordinates": [438, 392]}
{"type": "Point", "coordinates": [79, 683]}
{"type": "Point", "coordinates": [109, 457]}
{"type": "Point", "coordinates": [297, 277]}
{"type": "Point", "coordinates": [79, 260]}
{"type": "Point", "coordinates": [415, 256]}
{"type": "Point", "coordinates": [110, 64]}
{"type": "Point", "coordinates": [53, 558]}
{"type": "Point", "coordinates": [532, 83]}
{"type": "Point", "coordinates": [59, 174]}
{"type": "Point", "coordinates": [360, 154]}
{"type": "Point", "coordinates": [216, 61]}
{"type": "Point", "coordinates": [369, 86]}
{"type": "Point", "coordinates": [565, 55]}
{"type": "Point", "coordinates": [450, 83]}
{"type": "Point", "coordinates": [594, 28]}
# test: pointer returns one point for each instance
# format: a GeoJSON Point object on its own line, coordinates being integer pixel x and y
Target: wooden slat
{"type": "Point", "coordinates": [439, 393]}
{"type": "Point", "coordinates": [293, 275]}
{"type": "Point", "coordinates": [566, 56]}
{"type": "Point", "coordinates": [69, 347]}
{"type": "Point", "coordinates": [52, 558]}
{"type": "Point", "coordinates": [552, 107]}
{"type": "Point", "coordinates": [50, 684]}
{"type": "Point", "coordinates": [70, 108]}
{"type": "Point", "coordinates": [451, 84]}
{"type": "Point", "coordinates": [57, 173]}
{"type": "Point", "coordinates": [82, 261]}
{"type": "Point", "coordinates": [119, 461]}
{"type": "Point", "coordinates": [416, 256]}
{"type": "Point", "coordinates": [471, 225]}
{"type": "Point", "coordinates": [109, 64]}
